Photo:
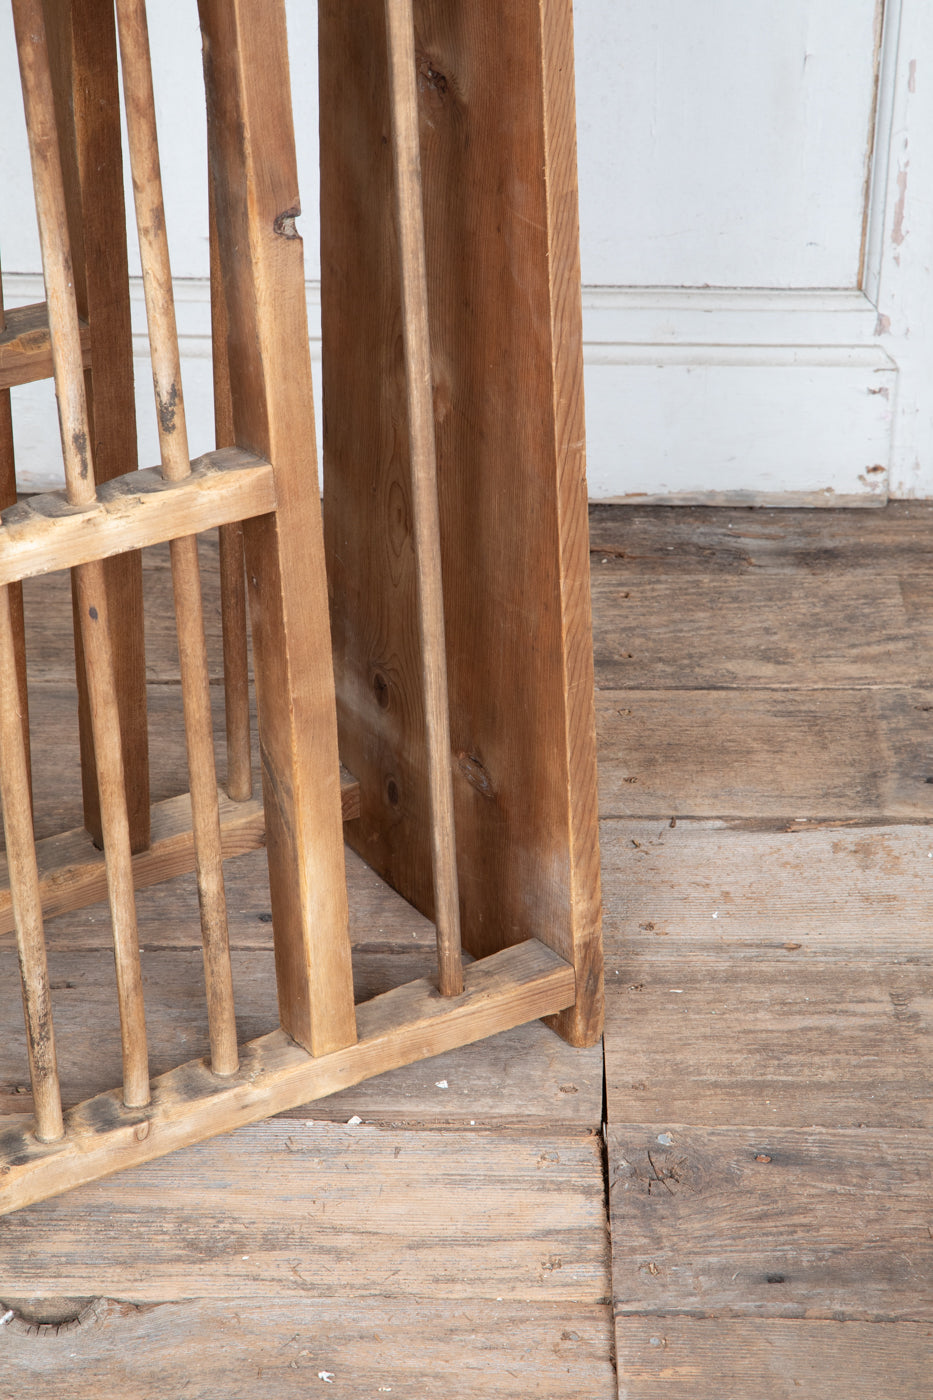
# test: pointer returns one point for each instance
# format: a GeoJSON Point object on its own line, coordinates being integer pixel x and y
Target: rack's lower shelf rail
{"type": "Point", "coordinates": [190, 1103]}
{"type": "Point", "coordinates": [72, 872]}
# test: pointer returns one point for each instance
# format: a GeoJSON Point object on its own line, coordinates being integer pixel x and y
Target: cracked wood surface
{"type": "Point", "coordinates": [835, 910]}
{"type": "Point", "coordinates": [764, 715]}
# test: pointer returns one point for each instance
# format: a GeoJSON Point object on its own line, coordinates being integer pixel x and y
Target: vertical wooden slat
{"type": "Point", "coordinates": [186, 581]}
{"type": "Point", "coordinates": [580, 938]}
{"type": "Point", "coordinates": [82, 52]}
{"type": "Point", "coordinates": [24, 889]}
{"type": "Point", "coordinates": [89, 578]}
{"type": "Point", "coordinates": [230, 542]}
{"type": "Point", "coordinates": [426, 528]}
{"type": "Point", "coordinates": [495, 90]}
{"type": "Point", "coordinates": [252, 155]}
{"type": "Point", "coordinates": [8, 498]}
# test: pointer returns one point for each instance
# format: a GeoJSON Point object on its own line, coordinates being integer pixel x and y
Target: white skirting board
{"type": "Point", "coordinates": [708, 420]}
{"type": "Point", "coordinates": [771, 426]}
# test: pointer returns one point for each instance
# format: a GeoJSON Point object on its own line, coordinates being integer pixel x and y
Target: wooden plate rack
{"type": "Point", "coordinates": [434, 633]}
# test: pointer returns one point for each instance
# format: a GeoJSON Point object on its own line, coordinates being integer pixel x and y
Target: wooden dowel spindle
{"type": "Point", "coordinates": [230, 539]}
{"type": "Point", "coordinates": [236, 662]}
{"type": "Point", "coordinates": [425, 510]}
{"type": "Point", "coordinates": [89, 578]}
{"type": "Point", "coordinates": [91, 593]}
{"type": "Point", "coordinates": [8, 498]}
{"type": "Point", "coordinates": [24, 890]}
{"type": "Point", "coordinates": [186, 580]}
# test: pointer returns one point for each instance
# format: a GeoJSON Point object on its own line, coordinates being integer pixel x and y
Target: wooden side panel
{"type": "Point", "coordinates": [503, 278]}
{"type": "Point", "coordinates": [254, 180]}
{"type": "Point", "coordinates": [82, 43]}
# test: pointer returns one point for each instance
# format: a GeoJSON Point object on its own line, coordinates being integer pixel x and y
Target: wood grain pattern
{"type": "Point", "coordinates": [230, 549]}
{"type": "Point", "coordinates": [139, 104]}
{"type": "Point", "coordinates": [8, 498]}
{"type": "Point", "coordinates": [25, 894]}
{"type": "Point", "coordinates": [343, 1212]}
{"type": "Point", "coordinates": [785, 1043]}
{"type": "Point", "coordinates": [380, 920]}
{"type": "Point", "coordinates": [768, 957]}
{"type": "Point", "coordinates": [504, 312]}
{"type": "Point", "coordinates": [707, 631]}
{"type": "Point", "coordinates": [519, 1078]}
{"type": "Point", "coordinates": [26, 348]}
{"type": "Point", "coordinates": [256, 202]}
{"type": "Point", "coordinates": [139, 509]}
{"type": "Point", "coordinates": [82, 54]}
{"type": "Point", "coordinates": [422, 453]}
{"type": "Point", "coordinates": [262, 1346]}
{"type": "Point", "coordinates": [636, 541]}
{"type": "Point", "coordinates": [71, 868]}
{"type": "Point", "coordinates": [760, 1222]}
{"type": "Point", "coordinates": [190, 1104]}
{"type": "Point", "coordinates": [765, 754]}
{"type": "Point", "coordinates": [685, 1358]}
{"type": "Point", "coordinates": [90, 585]}
{"type": "Point", "coordinates": [844, 891]}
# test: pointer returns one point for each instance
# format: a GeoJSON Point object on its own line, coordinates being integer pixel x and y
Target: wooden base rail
{"type": "Point", "coordinates": [46, 533]}
{"type": "Point", "coordinates": [72, 872]}
{"type": "Point", "coordinates": [190, 1103]}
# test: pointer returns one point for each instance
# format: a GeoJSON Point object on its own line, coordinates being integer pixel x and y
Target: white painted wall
{"type": "Point", "coordinates": [757, 228]}
{"type": "Point", "coordinates": [756, 248]}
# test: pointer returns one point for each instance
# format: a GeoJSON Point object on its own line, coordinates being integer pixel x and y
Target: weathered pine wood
{"type": "Point", "coordinates": [91, 600]}
{"type": "Point", "coordinates": [82, 56]}
{"type": "Point", "coordinates": [517, 1079]}
{"type": "Point", "coordinates": [189, 1104]}
{"type": "Point", "coordinates": [25, 893]}
{"type": "Point", "coordinates": [56, 768]}
{"type": "Point", "coordinates": [230, 551]}
{"type": "Point", "coordinates": [41, 533]}
{"type": "Point", "coordinates": [344, 1211]}
{"type": "Point", "coordinates": [256, 201]}
{"type": "Point", "coordinates": [72, 871]}
{"type": "Point", "coordinates": [636, 541]}
{"type": "Point", "coordinates": [71, 868]}
{"type": "Point", "coordinates": [15, 593]}
{"type": "Point", "coordinates": [705, 631]}
{"type": "Point", "coordinates": [765, 754]}
{"type": "Point", "coordinates": [426, 524]}
{"type": "Point", "coordinates": [765, 968]}
{"type": "Point", "coordinates": [186, 578]}
{"type": "Point", "coordinates": [380, 920]}
{"type": "Point", "coordinates": [57, 262]}
{"type": "Point", "coordinates": [771, 1222]}
{"type": "Point", "coordinates": [499, 175]}
{"type": "Point", "coordinates": [25, 346]}
{"type": "Point", "coordinates": [266, 1346]}
{"type": "Point", "coordinates": [91, 595]}
{"type": "Point", "coordinates": [734, 890]}
{"type": "Point", "coordinates": [689, 1358]}
{"type": "Point", "coordinates": [787, 1043]}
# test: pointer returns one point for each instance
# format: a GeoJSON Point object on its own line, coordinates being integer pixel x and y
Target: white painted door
{"type": "Point", "coordinates": [757, 226]}
{"type": "Point", "coordinates": [756, 181]}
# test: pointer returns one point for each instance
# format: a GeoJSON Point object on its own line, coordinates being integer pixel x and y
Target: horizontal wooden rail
{"type": "Point", "coordinates": [72, 873]}
{"type": "Point", "coordinates": [45, 533]}
{"type": "Point", "coordinates": [26, 346]}
{"type": "Point", "coordinates": [190, 1104]}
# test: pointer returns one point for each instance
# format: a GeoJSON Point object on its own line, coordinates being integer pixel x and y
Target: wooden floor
{"type": "Point", "coordinates": [765, 710]}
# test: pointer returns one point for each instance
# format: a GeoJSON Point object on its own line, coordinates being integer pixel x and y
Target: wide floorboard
{"type": "Point", "coordinates": [758, 1131]}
